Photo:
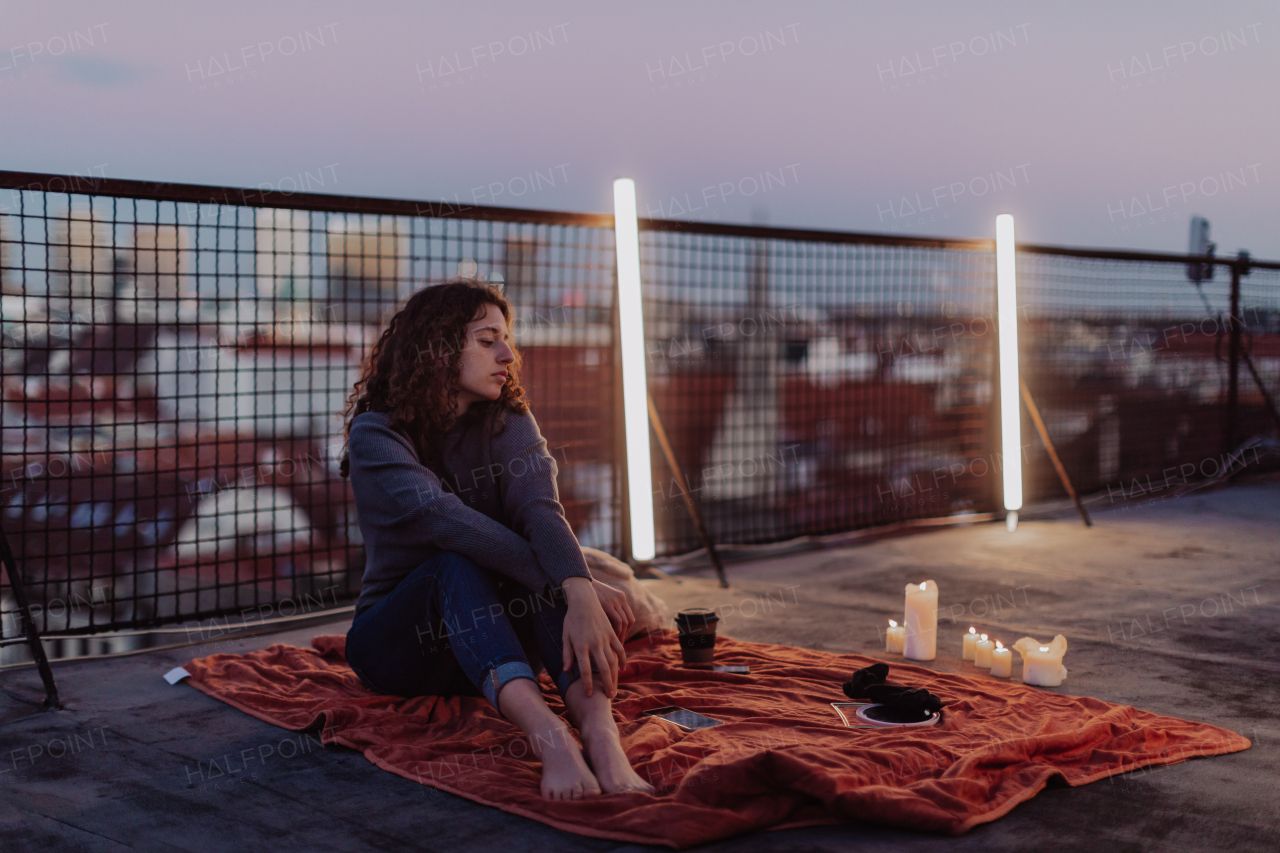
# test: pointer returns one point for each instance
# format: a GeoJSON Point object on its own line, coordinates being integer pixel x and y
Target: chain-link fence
{"type": "Point", "coordinates": [817, 383]}
{"type": "Point", "coordinates": [1130, 364]}
{"type": "Point", "coordinates": [176, 359]}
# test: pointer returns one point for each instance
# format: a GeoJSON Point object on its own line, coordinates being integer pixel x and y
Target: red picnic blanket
{"type": "Point", "coordinates": [782, 760]}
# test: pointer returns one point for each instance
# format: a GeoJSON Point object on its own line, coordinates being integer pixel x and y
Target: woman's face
{"type": "Point", "coordinates": [482, 365]}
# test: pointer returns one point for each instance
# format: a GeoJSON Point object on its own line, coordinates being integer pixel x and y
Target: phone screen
{"type": "Point", "coordinates": [686, 719]}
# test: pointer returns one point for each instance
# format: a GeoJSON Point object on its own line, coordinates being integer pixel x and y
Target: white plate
{"type": "Point", "coordinates": [861, 714]}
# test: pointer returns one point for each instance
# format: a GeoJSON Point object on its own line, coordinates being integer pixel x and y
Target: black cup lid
{"type": "Point", "coordinates": [697, 616]}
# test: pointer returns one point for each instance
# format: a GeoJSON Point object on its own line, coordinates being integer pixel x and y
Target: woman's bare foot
{"type": "Point", "coordinates": [604, 752]}
{"type": "Point", "coordinates": [565, 774]}
{"type": "Point", "coordinates": [593, 717]}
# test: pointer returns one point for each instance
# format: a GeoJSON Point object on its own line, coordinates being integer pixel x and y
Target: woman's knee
{"type": "Point", "coordinates": [450, 568]}
{"type": "Point", "coordinates": [522, 603]}
{"type": "Point", "coordinates": [451, 562]}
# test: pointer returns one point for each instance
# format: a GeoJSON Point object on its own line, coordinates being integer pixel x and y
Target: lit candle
{"type": "Point", "coordinates": [1041, 664]}
{"type": "Point", "coordinates": [1001, 661]}
{"type": "Point", "coordinates": [894, 638]}
{"type": "Point", "coordinates": [982, 652]}
{"type": "Point", "coordinates": [922, 621]}
{"type": "Point", "coordinates": [970, 640]}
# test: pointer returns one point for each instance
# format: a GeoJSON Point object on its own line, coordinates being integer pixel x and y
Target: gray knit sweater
{"type": "Point", "coordinates": [496, 502]}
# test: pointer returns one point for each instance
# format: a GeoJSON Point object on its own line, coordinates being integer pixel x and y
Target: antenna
{"type": "Point", "coordinates": [1199, 245]}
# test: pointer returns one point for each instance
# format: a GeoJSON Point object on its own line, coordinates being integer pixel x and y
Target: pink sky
{"type": "Point", "coordinates": [1096, 124]}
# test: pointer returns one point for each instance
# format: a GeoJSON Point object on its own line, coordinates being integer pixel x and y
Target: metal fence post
{"type": "Point", "coordinates": [621, 495]}
{"type": "Point", "coordinates": [51, 699]}
{"type": "Point", "coordinates": [1233, 369]}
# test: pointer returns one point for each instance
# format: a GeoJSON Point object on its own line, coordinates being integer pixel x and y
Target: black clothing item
{"type": "Point", "coordinates": [901, 704]}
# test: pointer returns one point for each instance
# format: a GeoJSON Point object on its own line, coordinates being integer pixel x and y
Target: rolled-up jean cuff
{"type": "Point", "coordinates": [500, 675]}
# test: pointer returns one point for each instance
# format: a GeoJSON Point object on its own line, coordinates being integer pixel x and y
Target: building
{"type": "Point", "coordinates": [282, 250]}
{"type": "Point", "coordinates": [83, 270]}
{"type": "Point", "coordinates": [368, 270]}
{"type": "Point", "coordinates": [520, 270]}
{"type": "Point", "coordinates": [162, 289]}
{"type": "Point", "coordinates": [10, 255]}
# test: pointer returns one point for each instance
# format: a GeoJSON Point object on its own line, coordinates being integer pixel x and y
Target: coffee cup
{"type": "Point", "coordinates": [696, 627]}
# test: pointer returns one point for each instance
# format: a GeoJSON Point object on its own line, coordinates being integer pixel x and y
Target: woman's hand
{"type": "Point", "coordinates": [588, 635]}
{"type": "Point", "coordinates": [614, 603]}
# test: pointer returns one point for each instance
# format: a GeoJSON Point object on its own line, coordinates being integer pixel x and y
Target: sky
{"type": "Point", "coordinates": [1094, 123]}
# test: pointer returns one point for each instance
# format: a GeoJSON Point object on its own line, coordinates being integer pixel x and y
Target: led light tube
{"type": "Point", "coordinates": [635, 389]}
{"type": "Point", "coordinates": [1010, 404]}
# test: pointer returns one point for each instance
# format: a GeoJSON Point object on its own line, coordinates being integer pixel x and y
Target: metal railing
{"type": "Point", "coordinates": [175, 359]}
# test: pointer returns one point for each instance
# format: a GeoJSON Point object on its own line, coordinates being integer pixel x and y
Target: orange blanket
{"type": "Point", "coordinates": [783, 760]}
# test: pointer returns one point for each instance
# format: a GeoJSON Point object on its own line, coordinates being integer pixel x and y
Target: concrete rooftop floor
{"type": "Point", "coordinates": [1141, 597]}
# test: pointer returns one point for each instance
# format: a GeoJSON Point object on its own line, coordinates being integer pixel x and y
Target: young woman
{"type": "Point", "coordinates": [473, 579]}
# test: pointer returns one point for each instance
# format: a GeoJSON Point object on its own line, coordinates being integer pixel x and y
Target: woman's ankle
{"type": "Point", "coordinates": [555, 735]}
{"type": "Point", "coordinates": [593, 717]}
{"type": "Point", "coordinates": [598, 728]}
{"type": "Point", "coordinates": [520, 701]}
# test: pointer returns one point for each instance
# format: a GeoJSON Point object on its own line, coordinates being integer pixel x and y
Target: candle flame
{"type": "Point", "coordinates": [972, 630]}
{"type": "Point", "coordinates": [1044, 648]}
{"type": "Point", "coordinates": [999, 645]}
{"type": "Point", "coordinates": [893, 624]}
{"type": "Point", "coordinates": [984, 638]}
{"type": "Point", "coordinates": [922, 586]}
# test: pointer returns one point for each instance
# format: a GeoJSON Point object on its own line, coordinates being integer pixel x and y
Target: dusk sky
{"type": "Point", "coordinates": [1095, 123]}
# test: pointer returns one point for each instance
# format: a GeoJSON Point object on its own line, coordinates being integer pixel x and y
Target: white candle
{"type": "Point", "coordinates": [982, 652]}
{"type": "Point", "coordinates": [970, 640]}
{"type": "Point", "coordinates": [922, 621]}
{"type": "Point", "coordinates": [894, 638]}
{"type": "Point", "coordinates": [1041, 664]}
{"type": "Point", "coordinates": [1001, 661]}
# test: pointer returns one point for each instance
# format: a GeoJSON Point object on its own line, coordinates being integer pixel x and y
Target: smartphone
{"type": "Point", "coordinates": [736, 668]}
{"type": "Point", "coordinates": [682, 717]}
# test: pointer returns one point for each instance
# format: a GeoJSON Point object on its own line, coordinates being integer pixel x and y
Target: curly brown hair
{"type": "Point", "coordinates": [412, 371]}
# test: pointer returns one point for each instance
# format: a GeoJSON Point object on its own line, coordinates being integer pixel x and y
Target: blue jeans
{"type": "Point", "coordinates": [454, 628]}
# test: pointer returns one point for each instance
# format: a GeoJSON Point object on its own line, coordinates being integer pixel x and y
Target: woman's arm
{"type": "Point", "coordinates": [405, 502]}
{"type": "Point", "coordinates": [532, 501]}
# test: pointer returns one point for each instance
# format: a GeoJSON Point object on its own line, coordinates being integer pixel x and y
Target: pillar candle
{"type": "Point", "coordinates": [970, 640]}
{"type": "Point", "coordinates": [982, 652]}
{"type": "Point", "coordinates": [1042, 664]}
{"type": "Point", "coordinates": [922, 621]}
{"type": "Point", "coordinates": [894, 638]}
{"type": "Point", "coordinates": [1001, 661]}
